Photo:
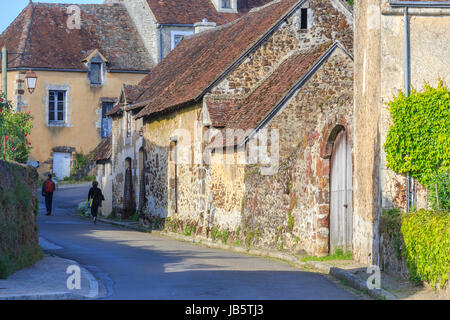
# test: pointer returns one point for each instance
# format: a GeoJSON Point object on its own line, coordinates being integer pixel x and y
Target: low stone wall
{"type": "Point", "coordinates": [19, 207]}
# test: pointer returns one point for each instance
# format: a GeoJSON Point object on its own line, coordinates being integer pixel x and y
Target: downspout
{"type": "Point", "coordinates": [160, 43]}
{"type": "Point", "coordinates": [409, 196]}
{"type": "Point", "coordinates": [5, 72]}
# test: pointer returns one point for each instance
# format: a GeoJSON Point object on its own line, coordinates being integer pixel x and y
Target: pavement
{"type": "Point", "coordinates": [119, 261]}
{"type": "Point", "coordinates": [47, 280]}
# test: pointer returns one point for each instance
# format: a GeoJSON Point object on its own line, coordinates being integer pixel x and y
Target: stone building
{"type": "Point", "coordinates": [163, 24]}
{"type": "Point", "coordinates": [159, 25]}
{"type": "Point", "coordinates": [398, 45]}
{"type": "Point", "coordinates": [285, 71]}
{"type": "Point", "coordinates": [82, 55]}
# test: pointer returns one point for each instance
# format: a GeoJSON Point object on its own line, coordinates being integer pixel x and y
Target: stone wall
{"type": "Point", "coordinates": [19, 206]}
{"type": "Point", "coordinates": [291, 209]}
{"type": "Point", "coordinates": [331, 22]}
{"type": "Point", "coordinates": [145, 23]}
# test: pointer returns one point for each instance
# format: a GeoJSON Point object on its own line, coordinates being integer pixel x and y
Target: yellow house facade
{"type": "Point", "coordinates": [80, 73]}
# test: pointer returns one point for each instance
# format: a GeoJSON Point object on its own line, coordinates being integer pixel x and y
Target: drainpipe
{"type": "Point", "coordinates": [160, 43]}
{"type": "Point", "coordinates": [5, 72]}
{"type": "Point", "coordinates": [409, 182]}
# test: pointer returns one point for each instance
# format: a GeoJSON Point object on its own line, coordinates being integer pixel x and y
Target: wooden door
{"type": "Point", "coordinates": [341, 226]}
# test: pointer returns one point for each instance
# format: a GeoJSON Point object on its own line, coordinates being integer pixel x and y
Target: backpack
{"type": "Point", "coordinates": [49, 186]}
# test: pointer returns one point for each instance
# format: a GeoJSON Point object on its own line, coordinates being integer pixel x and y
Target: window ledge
{"type": "Point", "coordinates": [59, 124]}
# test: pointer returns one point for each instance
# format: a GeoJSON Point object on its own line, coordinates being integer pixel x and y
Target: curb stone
{"type": "Point", "coordinates": [338, 273]}
{"type": "Point", "coordinates": [93, 294]}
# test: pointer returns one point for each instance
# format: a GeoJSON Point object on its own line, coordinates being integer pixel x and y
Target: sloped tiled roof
{"type": "Point", "coordinates": [192, 11]}
{"type": "Point", "coordinates": [40, 38]}
{"type": "Point", "coordinates": [185, 74]}
{"type": "Point", "coordinates": [104, 150]}
{"type": "Point", "coordinates": [250, 112]}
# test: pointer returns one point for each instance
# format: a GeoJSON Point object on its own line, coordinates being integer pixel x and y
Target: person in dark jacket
{"type": "Point", "coordinates": [48, 187]}
{"type": "Point", "coordinates": [95, 199]}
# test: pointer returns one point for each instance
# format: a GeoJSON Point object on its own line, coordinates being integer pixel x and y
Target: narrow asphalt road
{"type": "Point", "coordinates": [134, 265]}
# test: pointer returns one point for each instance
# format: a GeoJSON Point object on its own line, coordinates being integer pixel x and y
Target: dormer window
{"type": "Point", "coordinates": [95, 73]}
{"type": "Point", "coordinates": [96, 67]}
{"type": "Point", "coordinates": [226, 4]}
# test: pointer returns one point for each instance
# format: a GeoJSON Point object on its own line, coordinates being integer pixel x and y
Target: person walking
{"type": "Point", "coordinates": [95, 198]}
{"type": "Point", "coordinates": [48, 188]}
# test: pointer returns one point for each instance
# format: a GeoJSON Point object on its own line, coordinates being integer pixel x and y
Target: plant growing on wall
{"type": "Point", "coordinates": [418, 142]}
{"type": "Point", "coordinates": [15, 128]}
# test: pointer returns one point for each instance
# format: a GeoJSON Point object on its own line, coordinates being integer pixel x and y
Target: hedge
{"type": "Point", "coordinates": [426, 236]}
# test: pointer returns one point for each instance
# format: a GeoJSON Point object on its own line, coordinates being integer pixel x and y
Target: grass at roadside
{"type": "Point", "coordinates": [338, 255]}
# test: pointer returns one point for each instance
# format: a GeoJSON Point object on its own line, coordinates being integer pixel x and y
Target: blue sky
{"type": "Point", "coordinates": [11, 10]}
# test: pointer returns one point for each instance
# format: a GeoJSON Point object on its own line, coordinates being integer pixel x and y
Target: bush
{"type": "Point", "coordinates": [426, 236]}
{"type": "Point", "coordinates": [443, 189]}
{"type": "Point", "coordinates": [15, 129]}
{"type": "Point", "coordinates": [84, 209]}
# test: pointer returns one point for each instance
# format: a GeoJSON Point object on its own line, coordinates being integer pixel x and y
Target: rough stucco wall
{"type": "Point", "coordinates": [82, 132]}
{"type": "Point", "coordinates": [167, 37]}
{"type": "Point", "coordinates": [300, 190]}
{"type": "Point", "coordinates": [430, 45]}
{"type": "Point", "coordinates": [367, 94]}
{"type": "Point", "coordinates": [125, 147]}
{"type": "Point", "coordinates": [104, 178]}
{"type": "Point", "coordinates": [146, 24]}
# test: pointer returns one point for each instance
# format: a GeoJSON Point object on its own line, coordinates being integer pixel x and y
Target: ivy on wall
{"type": "Point", "coordinates": [418, 142]}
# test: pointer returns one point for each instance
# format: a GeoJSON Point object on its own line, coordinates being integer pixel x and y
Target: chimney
{"type": "Point", "coordinates": [204, 25]}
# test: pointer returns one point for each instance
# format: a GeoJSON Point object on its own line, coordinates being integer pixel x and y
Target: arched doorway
{"type": "Point", "coordinates": [129, 199]}
{"type": "Point", "coordinates": [341, 210]}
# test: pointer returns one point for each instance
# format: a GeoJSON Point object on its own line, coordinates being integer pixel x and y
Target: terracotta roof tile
{"type": "Point", "coordinates": [199, 60]}
{"type": "Point", "coordinates": [192, 11]}
{"type": "Point", "coordinates": [104, 150]}
{"type": "Point", "coordinates": [249, 113]}
{"type": "Point", "coordinates": [41, 37]}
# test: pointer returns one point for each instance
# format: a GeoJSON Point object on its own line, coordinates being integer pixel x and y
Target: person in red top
{"type": "Point", "coordinates": [47, 191]}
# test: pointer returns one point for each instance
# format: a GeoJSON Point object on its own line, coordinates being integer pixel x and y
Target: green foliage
{"type": "Point", "coordinates": [214, 233]}
{"type": "Point", "coordinates": [187, 230]}
{"type": "Point", "coordinates": [18, 211]}
{"type": "Point", "coordinates": [418, 142]}
{"type": "Point", "coordinates": [442, 181]}
{"type": "Point", "coordinates": [390, 224]}
{"type": "Point", "coordinates": [426, 236]}
{"type": "Point", "coordinates": [134, 217]}
{"type": "Point", "coordinates": [238, 231]}
{"type": "Point", "coordinates": [338, 255]}
{"type": "Point", "coordinates": [350, 2]}
{"type": "Point", "coordinates": [15, 128]}
{"type": "Point", "coordinates": [225, 237]}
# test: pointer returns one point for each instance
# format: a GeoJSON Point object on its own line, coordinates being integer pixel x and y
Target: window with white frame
{"type": "Point", "coordinates": [177, 37]}
{"type": "Point", "coordinates": [56, 106]}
